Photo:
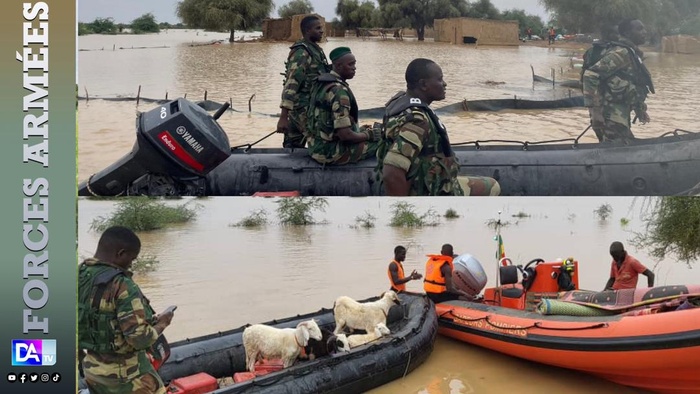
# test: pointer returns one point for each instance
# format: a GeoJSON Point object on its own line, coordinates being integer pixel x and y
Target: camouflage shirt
{"type": "Point", "coordinates": [414, 144]}
{"type": "Point", "coordinates": [306, 61]}
{"type": "Point", "coordinates": [333, 107]}
{"type": "Point", "coordinates": [618, 78]}
{"type": "Point", "coordinates": [132, 330]}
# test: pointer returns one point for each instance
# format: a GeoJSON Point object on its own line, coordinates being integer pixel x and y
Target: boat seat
{"type": "Point", "coordinates": [509, 276]}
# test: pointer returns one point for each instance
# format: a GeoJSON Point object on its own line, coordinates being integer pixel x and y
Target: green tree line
{"type": "Point", "coordinates": [230, 15]}
{"type": "Point", "coordinates": [661, 17]}
{"type": "Point", "coordinates": [146, 23]}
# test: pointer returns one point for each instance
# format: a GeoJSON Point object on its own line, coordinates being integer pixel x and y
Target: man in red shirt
{"type": "Point", "coordinates": [625, 270]}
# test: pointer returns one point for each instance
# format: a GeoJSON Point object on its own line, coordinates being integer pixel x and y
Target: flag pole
{"type": "Point", "coordinates": [498, 250]}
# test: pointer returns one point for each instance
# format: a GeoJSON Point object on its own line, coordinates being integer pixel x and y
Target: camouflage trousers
{"type": "Point", "coordinates": [149, 383]}
{"type": "Point", "coordinates": [479, 186]}
{"type": "Point", "coordinates": [121, 375]}
{"type": "Point", "coordinates": [614, 132]}
{"type": "Point", "coordinates": [294, 137]}
{"type": "Point", "coordinates": [617, 127]}
{"type": "Point", "coordinates": [337, 153]}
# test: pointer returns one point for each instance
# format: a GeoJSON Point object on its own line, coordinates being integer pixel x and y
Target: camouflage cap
{"type": "Point", "coordinates": [339, 52]}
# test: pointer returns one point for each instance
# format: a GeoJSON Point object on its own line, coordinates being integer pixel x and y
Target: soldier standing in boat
{"type": "Point", "coordinates": [617, 84]}
{"type": "Point", "coordinates": [116, 324]}
{"type": "Point", "coordinates": [305, 62]}
{"type": "Point", "coordinates": [332, 131]}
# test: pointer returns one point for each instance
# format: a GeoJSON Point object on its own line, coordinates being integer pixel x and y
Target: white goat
{"type": "Point", "coordinates": [353, 315]}
{"type": "Point", "coordinates": [352, 341]}
{"type": "Point", "coordinates": [261, 341]}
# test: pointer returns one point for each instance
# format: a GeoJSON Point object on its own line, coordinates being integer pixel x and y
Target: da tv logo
{"type": "Point", "coordinates": [33, 352]}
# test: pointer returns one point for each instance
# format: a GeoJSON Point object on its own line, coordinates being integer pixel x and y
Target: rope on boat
{"type": "Point", "coordinates": [250, 145]}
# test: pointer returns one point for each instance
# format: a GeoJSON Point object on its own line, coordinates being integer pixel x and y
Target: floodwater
{"type": "Point", "coordinates": [222, 277]}
{"type": "Point", "coordinates": [167, 63]}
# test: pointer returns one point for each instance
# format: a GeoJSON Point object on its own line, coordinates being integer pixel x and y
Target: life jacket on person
{"type": "Point", "coordinates": [400, 274]}
{"type": "Point", "coordinates": [434, 282]}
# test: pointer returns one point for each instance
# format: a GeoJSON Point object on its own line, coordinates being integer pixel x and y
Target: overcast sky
{"type": "Point", "coordinates": [124, 11]}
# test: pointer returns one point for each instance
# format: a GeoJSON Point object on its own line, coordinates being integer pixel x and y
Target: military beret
{"type": "Point", "coordinates": [339, 52]}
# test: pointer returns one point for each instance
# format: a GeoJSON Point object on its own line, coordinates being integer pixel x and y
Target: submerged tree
{"type": "Point", "coordinates": [295, 7]}
{"type": "Point", "coordinates": [672, 228]}
{"type": "Point", "coordinates": [146, 23]}
{"type": "Point", "coordinates": [224, 15]}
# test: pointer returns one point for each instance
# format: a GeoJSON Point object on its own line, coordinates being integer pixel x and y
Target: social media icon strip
{"type": "Point", "coordinates": [33, 377]}
{"type": "Point", "coordinates": [33, 352]}
{"type": "Point", "coordinates": [56, 377]}
{"type": "Point", "coordinates": [22, 377]}
{"type": "Point", "coordinates": [11, 377]}
{"type": "Point", "coordinates": [45, 377]}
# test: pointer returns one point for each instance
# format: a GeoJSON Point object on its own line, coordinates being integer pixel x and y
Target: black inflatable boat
{"type": "Point", "coordinates": [181, 150]}
{"type": "Point", "coordinates": [413, 326]}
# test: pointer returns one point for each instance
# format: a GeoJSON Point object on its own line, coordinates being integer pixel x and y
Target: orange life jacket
{"type": "Point", "coordinates": [394, 286]}
{"type": "Point", "coordinates": [434, 282]}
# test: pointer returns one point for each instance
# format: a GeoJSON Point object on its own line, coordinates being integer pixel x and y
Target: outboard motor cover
{"type": "Point", "coordinates": [185, 134]}
{"type": "Point", "coordinates": [178, 139]}
{"type": "Point", "coordinates": [468, 274]}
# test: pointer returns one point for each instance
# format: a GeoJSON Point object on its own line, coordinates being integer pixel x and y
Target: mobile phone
{"type": "Point", "coordinates": [171, 308]}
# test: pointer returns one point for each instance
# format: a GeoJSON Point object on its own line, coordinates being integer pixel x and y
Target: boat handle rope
{"type": "Point", "coordinates": [536, 324]}
{"type": "Point", "coordinates": [250, 145]}
{"type": "Point", "coordinates": [525, 144]}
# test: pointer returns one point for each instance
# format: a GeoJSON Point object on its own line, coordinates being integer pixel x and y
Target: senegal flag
{"type": "Point", "coordinates": [501, 252]}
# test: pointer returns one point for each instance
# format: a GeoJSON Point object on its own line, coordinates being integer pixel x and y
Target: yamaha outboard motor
{"type": "Point", "coordinates": [177, 144]}
{"type": "Point", "coordinates": [468, 274]}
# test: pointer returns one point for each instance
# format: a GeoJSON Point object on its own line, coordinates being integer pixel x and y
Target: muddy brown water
{"type": "Point", "coordinates": [236, 72]}
{"type": "Point", "coordinates": [222, 277]}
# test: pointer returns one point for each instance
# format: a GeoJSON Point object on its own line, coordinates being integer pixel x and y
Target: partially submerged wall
{"type": "Point", "coordinates": [476, 31]}
{"type": "Point", "coordinates": [285, 29]}
{"type": "Point", "coordinates": [681, 44]}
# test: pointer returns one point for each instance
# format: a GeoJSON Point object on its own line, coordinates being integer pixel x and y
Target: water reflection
{"type": "Point", "coordinates": [237, 72]}
{"type": "Point", "coordinates": [223, 277]}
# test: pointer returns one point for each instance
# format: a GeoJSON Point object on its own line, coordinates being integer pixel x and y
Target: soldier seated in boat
{"type": "Point", "coordinates": [438, 283]}
{"type": "Point", "coordinates": [415, 157]}
{"type": "Point", "coordinates": [625, 270]}
{"type": "Point", "coordinates": [332, 131]}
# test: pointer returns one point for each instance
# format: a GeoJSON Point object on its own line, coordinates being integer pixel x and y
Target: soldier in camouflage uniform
{"type": "Point", "coordinates": [116, 324]}
{"type": "Point", "coordinates": [617, 84]}
{"type": "Point", "coordinates": [415, 157]}
{"type": "Point", "coordinates": [332, 129]}
{"type": "Point", "coordinates": [305, 62]}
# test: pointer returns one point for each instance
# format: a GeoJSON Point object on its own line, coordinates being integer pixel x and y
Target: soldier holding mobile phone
{"type": "Point", "coordinates": [119, 335]}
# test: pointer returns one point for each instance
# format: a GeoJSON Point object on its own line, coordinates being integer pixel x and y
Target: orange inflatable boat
{"type": "Point", "coordinates": [646, 338]}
